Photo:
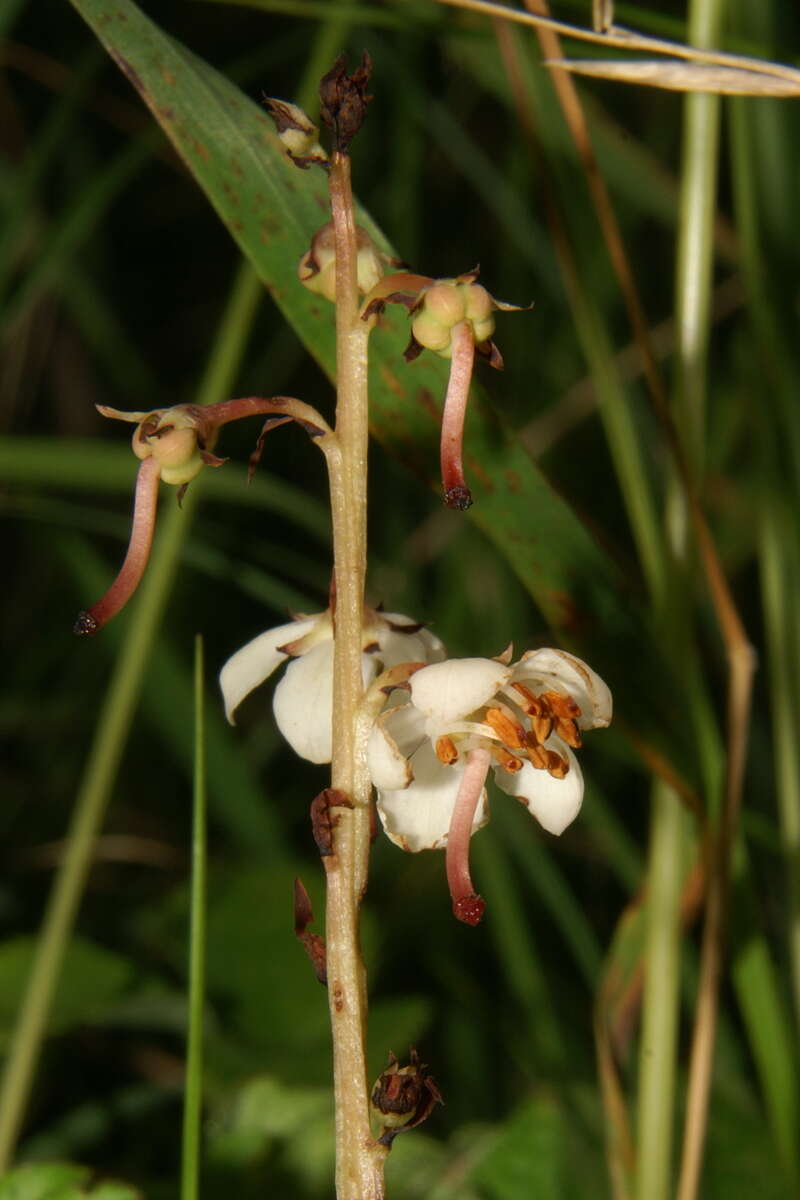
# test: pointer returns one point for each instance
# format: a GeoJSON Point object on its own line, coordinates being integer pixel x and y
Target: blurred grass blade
{"type": "Point", "coordinates": [662, 959]}
{"type": "Point", "coordinates": [193, 1095]}
{"type": "Point", "coordinates": [769, 1031]}
{"type": "Point", "coordinates": [92, 464]}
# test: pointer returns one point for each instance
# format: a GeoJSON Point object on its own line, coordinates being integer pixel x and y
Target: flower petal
{"type": "Point", "coordinates": [256, 661]}
{"type": "Point", "coordinates": [396, 734]}
{"type": "Point", "coordinates": [450, 690]}
{"type": "Point", "coordinates": [418, 817]}
{"type": "Point", "coordinates": [571, 675]}
{"type": "Point", "coordinates": [398, 647]}
{"type": "Point", "coordinates": [303, 701]}
{"type": "Point", "coordinates": [554, 802]}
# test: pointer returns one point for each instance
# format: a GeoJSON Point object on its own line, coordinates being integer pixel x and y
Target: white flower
{"type": "Point", "coordinates": [429, 757]}
{"type": "Point", "coordinates": [303, 700]}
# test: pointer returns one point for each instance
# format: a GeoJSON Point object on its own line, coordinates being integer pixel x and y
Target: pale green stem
{"type": "Point", "coordinates": [779, 612]}
{"type": "Point", "coordinates": [694, 280]}
{"type": "Point", "coordinates": [359, 1160]}
{"type": "Point", "coordinates": [661, 987]}
{"type": "Point", "coordinates": [661, 1001]}
{"type": "Point", "coordinates": [116, 711]}
{"type": "Point", "coordinates": [193, 1097]}
{"type": "Point", "coordinates": [695, 240]}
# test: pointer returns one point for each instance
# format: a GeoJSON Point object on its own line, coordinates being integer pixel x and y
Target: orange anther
{"type": "Point", "coordinates": [509, 731]}
{"type": "Point", "coordinates": [539, 757]}
{"type": "Point", "coordinates": [542, 728]}
{"type": "Point", "coordinates": [568, 731]}
{"type": "Point", "coordinates": [561, 706]}
{"type": "Point", "coordinates": [446, 751]}
{"type": "Point", "coordinates": [556, 766]}
{"type": "Point", "coordinates": [509, 762]}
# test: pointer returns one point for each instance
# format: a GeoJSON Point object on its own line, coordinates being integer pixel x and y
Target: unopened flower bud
{"type": "Point", "coordinates": [317, 268]}
{"type": "Point", "coordinates": [431, 333]}
{"type": "Point", "coordinates": [297, 132]}
{"type": "Point", "coordinates": [445, 301]}
{"type": "Point", "coordinates": [169, 436]}
{"type": "Point", "coordinates": [446, 304]}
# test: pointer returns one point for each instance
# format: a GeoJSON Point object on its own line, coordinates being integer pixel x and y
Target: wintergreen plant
{"type": "Point", "coordinates": [429, 755]}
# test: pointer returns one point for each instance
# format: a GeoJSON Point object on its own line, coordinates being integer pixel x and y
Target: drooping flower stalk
{"type": "Point", "coordinates": [174, 445]}
{"type": "Point", "coordinates": [359, 1158]}
{"type": "Point", "coordinates": [145, 505]}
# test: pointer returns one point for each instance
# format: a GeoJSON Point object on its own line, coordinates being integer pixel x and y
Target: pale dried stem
{"type": "Point", "coordinates": [626, 39]}
{"type": "Point", "coordinates": [359, 1159]}
{"type": "Point", "coordinates": [741, 666]}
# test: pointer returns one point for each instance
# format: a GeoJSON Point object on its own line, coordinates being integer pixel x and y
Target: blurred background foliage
{"type": "Point", "coordinates": [120, 285]}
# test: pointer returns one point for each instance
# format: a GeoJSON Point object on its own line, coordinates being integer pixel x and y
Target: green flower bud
{"type": "Point", "coordinates": [431, 333]}
{"type": "Point", "coordinates": [170, 437]}
{"type": "Point", "coordinates": [445, 302]}
{"type": "Point", "coordinates": [478, 303]}
{"type": "Point", "coordinates": [317, 268]}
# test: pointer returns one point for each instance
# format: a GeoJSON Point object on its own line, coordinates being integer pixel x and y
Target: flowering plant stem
{"type": "Point", "coordinates": [359, 1159]}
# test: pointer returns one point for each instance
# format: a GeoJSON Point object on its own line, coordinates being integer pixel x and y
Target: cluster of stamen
{"type": "Point", "coordinates": [550, 712]}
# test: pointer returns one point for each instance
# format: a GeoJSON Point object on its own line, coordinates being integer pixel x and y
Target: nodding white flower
{"type": "Point", "coordinates": [303, 700]}
{"type": "Point", "coordinates": [429, 758]}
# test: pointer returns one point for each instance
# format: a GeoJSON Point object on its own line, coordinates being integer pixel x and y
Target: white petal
{"type": "Point", "coordinates": [434, 647]}
{"type": "Point", "coordinates": [398, 647]}
{"type": "Point", "coordinates": [303, 701]}
{"type": "Point", "coordinates": [554, 802]}
{"type": "Point", "coordinates": [418, 817]}
{"type": "Point", "coordinates": [428, 647]}
{"type": "Point", "coordinates": [395, 736]}
{"type": "Point", "coordinates": [566, 673]}
{"type": "Point", "coordinates": [256, 661]}
{"type": "Point", "coordinates": [450, 690]}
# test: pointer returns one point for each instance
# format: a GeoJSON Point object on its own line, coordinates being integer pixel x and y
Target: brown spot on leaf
{"type": "Point", "coordinates": [128, 71]}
